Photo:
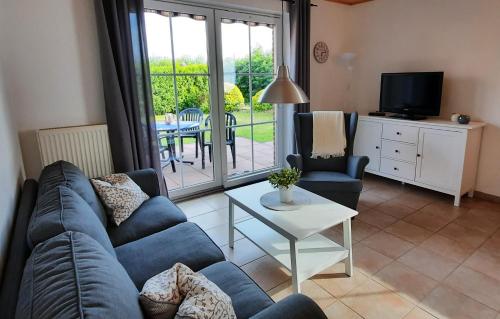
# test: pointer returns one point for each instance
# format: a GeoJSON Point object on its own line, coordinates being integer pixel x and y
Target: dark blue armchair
{"type": "Point", "coordinates": [338, 179]}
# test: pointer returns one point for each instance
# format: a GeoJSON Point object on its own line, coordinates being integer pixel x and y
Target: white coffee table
{"type": "Point", "coordinates": [293, 237]}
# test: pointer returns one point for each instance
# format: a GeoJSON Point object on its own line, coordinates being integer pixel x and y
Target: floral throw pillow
{"type": "Point", "coordinates": [181, 293]}
{"type": "Point", "coordinates": [120, 195]}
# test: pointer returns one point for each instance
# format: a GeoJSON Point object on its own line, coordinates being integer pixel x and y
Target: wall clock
{"type": "Point", "coordinates": [321, 52]}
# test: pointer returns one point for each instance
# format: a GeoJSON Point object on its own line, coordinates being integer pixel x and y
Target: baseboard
{"type": "Point", "coordinates": [486, 196]}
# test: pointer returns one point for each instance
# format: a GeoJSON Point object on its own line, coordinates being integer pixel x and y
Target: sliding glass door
{"type": "Point", "coordinates": [182, 63]}
{"type": "Point", "coordinates": [208, 69]}
{"type": "Point", "coordinates": [247, 60]}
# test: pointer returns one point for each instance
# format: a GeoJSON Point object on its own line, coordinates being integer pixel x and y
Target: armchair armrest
{"type": "Point", "coordinates": [295, 161]}
{"type": "Point", "coordinates": [147, 181]}
{"type": "Point", "coordinates": [292, 307]}
{"type": "Point", "coordinates": [356, 166]}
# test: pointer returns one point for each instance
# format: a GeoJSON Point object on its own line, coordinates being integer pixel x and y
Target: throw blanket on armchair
{"type": "Point", "coordinates": [328, 134]}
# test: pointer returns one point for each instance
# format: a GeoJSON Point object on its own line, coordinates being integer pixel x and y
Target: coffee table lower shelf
{"type": "Point", "coordinates": [314, 254]}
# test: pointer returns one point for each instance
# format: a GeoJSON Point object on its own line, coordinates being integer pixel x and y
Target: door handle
{"type": "Point", "coordinates": [397, 151]}
{"type": "Point", "coordinates": [418, 155]}
{"type": "Point", "coordinates": [396, 169]}
{"type": "Point", "coordinates": [377, 147]}
{"type": "Point", "coordinates": [398, 133]}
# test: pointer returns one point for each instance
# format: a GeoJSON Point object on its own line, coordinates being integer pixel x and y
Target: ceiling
{"type": "Point", "coordinates": [349, 2]}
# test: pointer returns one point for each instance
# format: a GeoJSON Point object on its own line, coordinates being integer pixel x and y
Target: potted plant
{"type": "Point", "coordinates": [284, 181]}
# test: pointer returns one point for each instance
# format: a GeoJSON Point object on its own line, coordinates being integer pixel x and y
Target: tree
{"type": "Point", "coordinates": [262, 63]}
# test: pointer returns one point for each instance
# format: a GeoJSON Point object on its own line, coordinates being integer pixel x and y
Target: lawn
{"type": "Point", "coordinates": [262, 133]}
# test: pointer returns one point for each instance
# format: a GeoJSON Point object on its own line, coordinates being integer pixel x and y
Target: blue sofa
{"type": "Point", "coordinates": [65, 259]}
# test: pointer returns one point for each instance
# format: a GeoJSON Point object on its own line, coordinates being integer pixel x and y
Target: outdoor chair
{"type": "Point", "coordinates": [166, 143]}
{"type": "Point", "coordinates": [230, 122]}
{"type": "Point", "coordinates": [338, 179]}
{"type": "Point", "coordinates": [191, 115]}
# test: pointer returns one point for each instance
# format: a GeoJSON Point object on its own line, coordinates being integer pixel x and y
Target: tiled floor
{"type": "Point", "coordinates": [415, 256]}
{"type": "Point", "coordinates": [189, 175]}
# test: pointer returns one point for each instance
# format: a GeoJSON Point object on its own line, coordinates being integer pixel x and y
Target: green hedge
{"type": "Point", "coordinates": [257, 106]}
{"type": "Point", "coordinates": [194, 91]}
{"type": "Point", "coordinates": [233, 98]}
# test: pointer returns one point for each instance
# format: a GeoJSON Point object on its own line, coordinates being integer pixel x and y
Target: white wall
{"type": "Point", "coordinates": [11, 173]}
{"type": "Point", "coordinates": [459, 37]}
{"type": "Point", "coordinates": [52, 68]}
{"type": "Point", "coordinates": [330, 23]}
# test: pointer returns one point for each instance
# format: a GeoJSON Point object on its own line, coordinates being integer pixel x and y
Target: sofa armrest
{"type": "Point", "coordinates": [356, 166]}
{"type": "Point", "coordinates": [296, 306]}
{"type": "Point", "coordinates": [295, 161]}
{"type": "Point", "coordinates": [147, 181]}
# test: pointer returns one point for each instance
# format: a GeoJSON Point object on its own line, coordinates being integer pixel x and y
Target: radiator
{"type": "Point", "coordinates": [85, 146]}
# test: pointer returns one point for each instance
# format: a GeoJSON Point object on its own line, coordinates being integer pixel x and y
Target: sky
{"type": "Point", "coordinates": [190, 38]}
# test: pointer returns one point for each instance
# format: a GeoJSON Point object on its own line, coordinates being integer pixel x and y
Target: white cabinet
{"type": "Point", "coordinates": [368, 137]}
{"type": "Point", "coordinates": [438, 159]}
{"type": "Point", "coordinates": [435, 154]}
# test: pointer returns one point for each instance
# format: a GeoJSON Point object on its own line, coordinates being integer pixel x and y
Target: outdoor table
{"type": "Point", "coordinates": [161, 126]}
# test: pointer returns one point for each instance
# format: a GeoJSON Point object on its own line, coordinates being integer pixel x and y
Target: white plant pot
{"type": "Point", "coordinates": [286, 194]}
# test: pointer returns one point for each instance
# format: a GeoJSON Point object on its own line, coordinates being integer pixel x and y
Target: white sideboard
{"type": "Point", "coordinates": [435, 154]}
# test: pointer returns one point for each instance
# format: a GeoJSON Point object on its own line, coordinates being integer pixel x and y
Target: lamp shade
{"type": "Point", "coordinates": [283, 90]}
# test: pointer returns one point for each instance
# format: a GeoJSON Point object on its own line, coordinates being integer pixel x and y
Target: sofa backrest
{"type": "Point", "coordinates": [63, 173]}
{"type": "Point", "coordinates": [61, 209]}
{"type": "Point", "coordinates": [73, 276]}
{"type": "Point", "coordinates": [303, 123]}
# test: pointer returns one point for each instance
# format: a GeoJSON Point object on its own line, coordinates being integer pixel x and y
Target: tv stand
{"type": "Point", "coordinates": [436, 154]}
{"type": "Point", "coordinates": [410, 117]}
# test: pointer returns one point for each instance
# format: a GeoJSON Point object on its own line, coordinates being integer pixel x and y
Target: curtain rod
{"type": "Point", "coordinates": [293, 2]}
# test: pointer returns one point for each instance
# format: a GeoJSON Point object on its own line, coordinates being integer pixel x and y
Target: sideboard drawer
{"type": "Point", "coordinates": [399, 151]}
{"type": "Point", "coordinates": [396, 168]}
{"type": "Point", "coordinates": [408, 134]}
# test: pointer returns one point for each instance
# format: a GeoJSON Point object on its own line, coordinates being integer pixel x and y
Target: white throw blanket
{"type": "Point", "coordinates": [328, 134]}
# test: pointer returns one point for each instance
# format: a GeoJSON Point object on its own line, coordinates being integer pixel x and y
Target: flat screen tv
{"type": "Point", "coordinates": [411, 95]}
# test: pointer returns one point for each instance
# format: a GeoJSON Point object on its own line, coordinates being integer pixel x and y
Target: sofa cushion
{"type": "Point", "coordinates": [72, 276]}
{"type": "Point", "coordinates": [120, 195]}
{"type": "Point", "coordinates": [154, 215]}
{"type": "Point", "coordinates": [61, 209]}
{"type": "Point", "coordinates": [183, 293]}
{"type": "Point", "coordinates": [247, 297]}
{"type": "Point", "coordinates": [66, 174]}
{"type": "Point", "coordinates": [185, 243]}
{"type": "Point", "coordinates": [324, 181]}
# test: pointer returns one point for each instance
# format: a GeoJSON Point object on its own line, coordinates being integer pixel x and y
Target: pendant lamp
{"type": "Point", "coordinates": [283, 90]}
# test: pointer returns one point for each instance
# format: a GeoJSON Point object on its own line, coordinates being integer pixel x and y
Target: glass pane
{"type": "Point", "coordinates": [190, 44]}
{"type": "Point", "coordinates": [193, 92]}
{"type": "Point", "coordinates": [162, 87]}
{"type": "Point", "coordinates": [242, 150]}
{"type": "Point", "coordinates": [159, 44]}
{"type": "Point", "coordinates": [263, 146]}
{"type": "Point", "coordinates": [235, 47]}
{"type": "Point", "coordinates": [262, 112]}
{"type": "Point", "coordinates": [262, 45]}
{"type": "Point", "coordinates": [236, 99]}
{"type": "Point", "coordinates": [195, 123]}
